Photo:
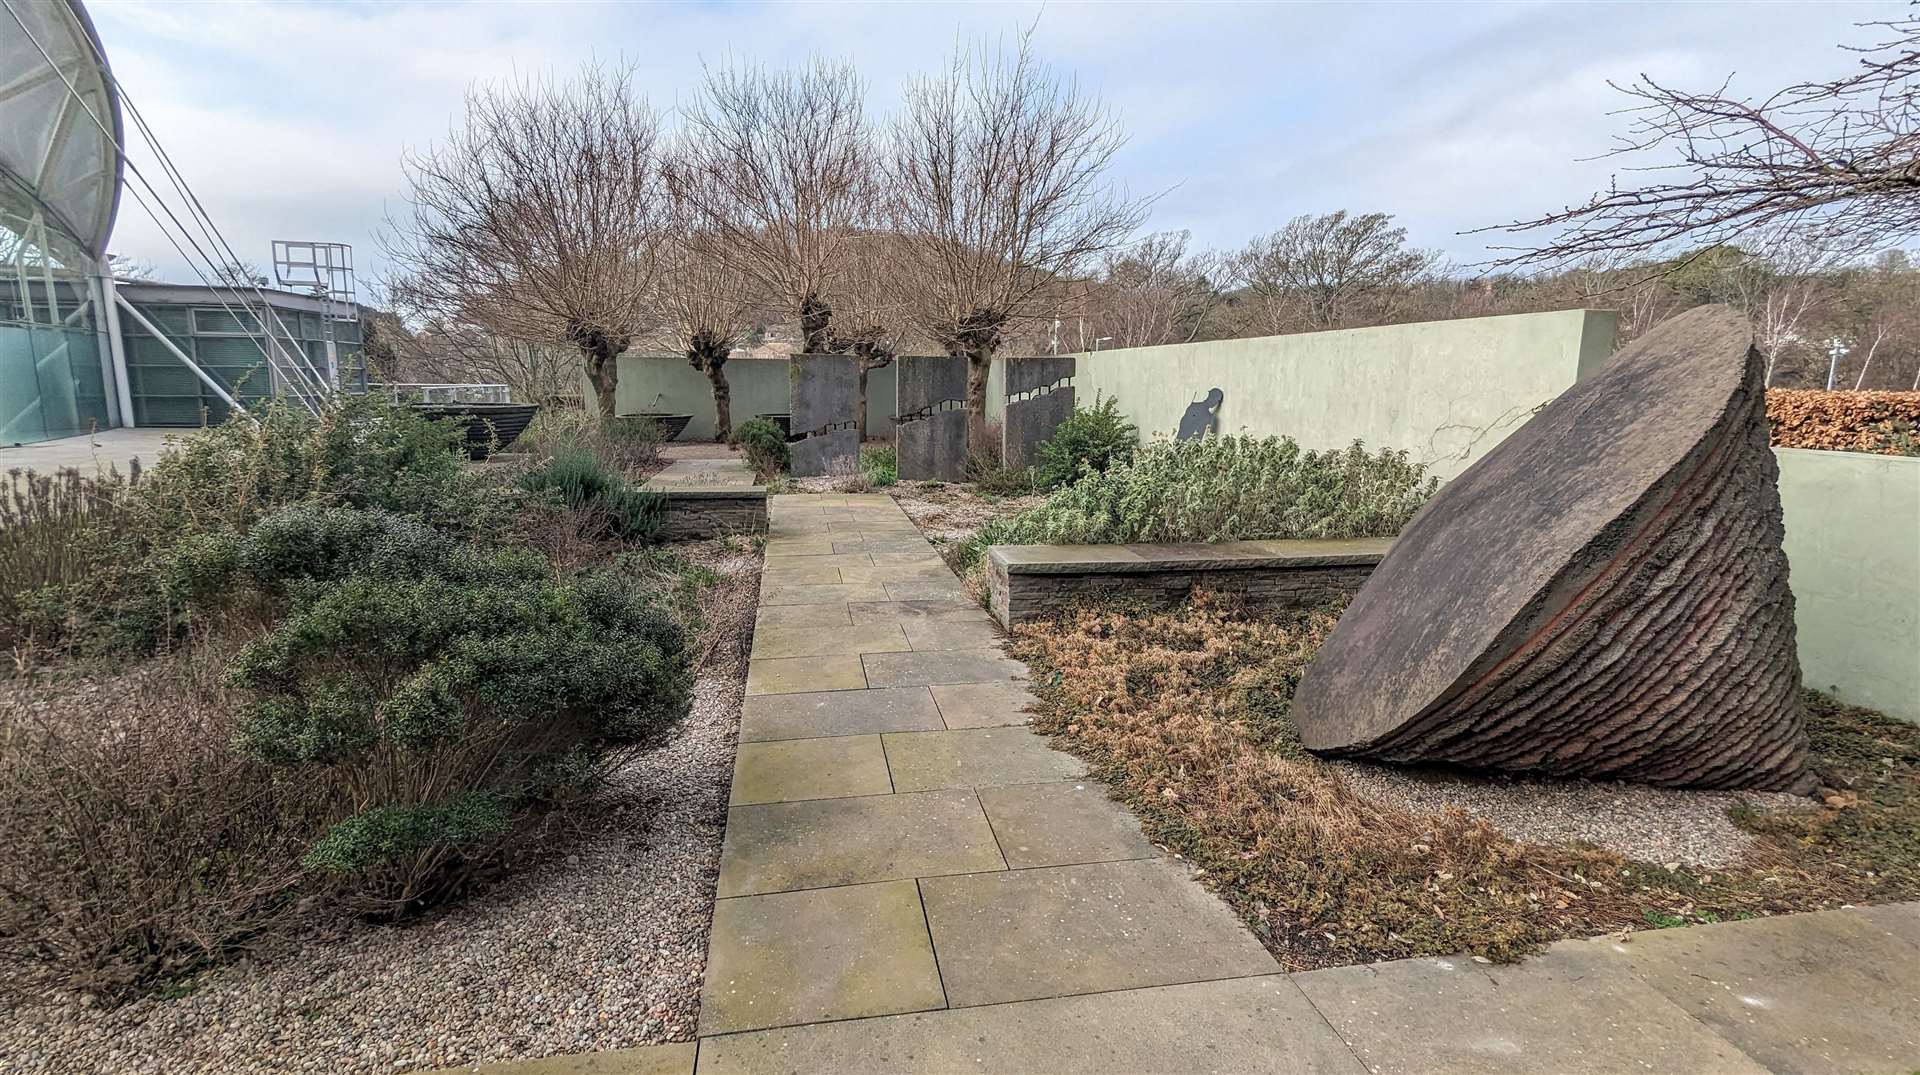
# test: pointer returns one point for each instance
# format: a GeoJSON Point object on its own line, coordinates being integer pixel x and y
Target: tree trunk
{"type": "Point", "coordinates": [979, 364]}
{"type": "Point", "coordinates": [860, 397]}
{"type": "Point", "coordinates": [815, 318]}
{"type": "Point", "coordinates": [722, 399]}
{"type": "Point", "coordinates": [603, 372]}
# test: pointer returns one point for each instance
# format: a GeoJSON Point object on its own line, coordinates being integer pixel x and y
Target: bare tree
{"type": "Point", "coordinates": [708, 307]}
{"type": "Point", "coordinates": [775, 164]}
{"type": "Point", "coordinates": [1331, 271]}
{"type": "Point", "coordinates": [869, 317]}
{"type": "Point", "coordinates": [539, 219]}
{"type": "Point", "coordinates": [537, 371]}
{"type": "Point", "coordinates": [999, 173]}
{"type": "Point", "coordinates": [1153, 292]}
{"type": "Point", "coordinates": [239, 274]}
{"type": "Point", "coordinates": [1834, 164]}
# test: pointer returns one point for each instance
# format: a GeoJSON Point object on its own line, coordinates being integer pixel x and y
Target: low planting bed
{"type": "Point", "coordinates": [1030, 582]}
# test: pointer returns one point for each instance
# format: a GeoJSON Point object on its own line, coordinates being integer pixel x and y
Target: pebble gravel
{"type": "Point", "coordinates": [600, 945]}
{"type": "Point", "coordinates": [1659, 825]}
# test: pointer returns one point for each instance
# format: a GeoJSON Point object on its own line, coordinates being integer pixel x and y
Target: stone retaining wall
{"type": "Point", "coordinates": [703, 513]}
{"type": "Point", "coordinates": [1029, 582]}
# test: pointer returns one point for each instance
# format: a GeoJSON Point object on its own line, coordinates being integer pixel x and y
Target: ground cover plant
{"type": "Point", "coordinates": [879, 465]}
{"type": "Point", "coordinates": [1220, 489]}
{"type": "Point", "coordinates": [311, 664]}
{"type": "Point", "coordinates": [1184, 714]}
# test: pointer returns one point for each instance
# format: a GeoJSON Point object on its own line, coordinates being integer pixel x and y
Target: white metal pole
{"type": "Point", "coordinates": [141, 319]}
{"type": "Point", "coordinates": [116, 347]}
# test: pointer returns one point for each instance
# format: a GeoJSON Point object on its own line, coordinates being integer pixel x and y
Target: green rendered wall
{"type": "Point", "coordinates": [668, 384]}
{"type": "Point", "coordinates": [1853, 557]}
{"type": "Point", "coordinates": [1446, 391]}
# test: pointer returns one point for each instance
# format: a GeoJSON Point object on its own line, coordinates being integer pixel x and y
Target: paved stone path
{"type": "Point", "coordinates": [913, 882]}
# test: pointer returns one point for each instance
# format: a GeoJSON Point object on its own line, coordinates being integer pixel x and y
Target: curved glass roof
{"type": "Point", "coordinates": [48, 140]}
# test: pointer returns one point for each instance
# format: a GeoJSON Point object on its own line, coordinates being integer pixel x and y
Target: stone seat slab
{"type": "Point", "coordinates": [1567, 1011]}
{"type": "Point", "coordinates": [792, 770]}
{"type": "Point", "coordinates": [786, 846]}
{"type": "Point", "coordinates": [1062, 824]}
{"type": "Point", "coordinates": [983, 705]}
{"type": "Point", "coordinates": [826, 639]}
{"type": "Point", "coordinates": [1258, 1024]}
{"type": "Point", "coordinates": [974, 757]}
{"type": "Point", "coordinates": [1062, 930]}
{"type": "Point", "coordinates": [804, 957]}
{"type": "Point", "coordinates": [928, 667]}
{"type": "Point", "coordinates": [814, 714]}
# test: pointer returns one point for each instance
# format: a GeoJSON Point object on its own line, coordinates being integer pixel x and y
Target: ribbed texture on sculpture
{"type": "Point", "coordinates": [1603, 594]}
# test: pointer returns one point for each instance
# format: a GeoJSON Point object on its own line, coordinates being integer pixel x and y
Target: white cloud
{"type": "Point", "coordinates": [289, 119]}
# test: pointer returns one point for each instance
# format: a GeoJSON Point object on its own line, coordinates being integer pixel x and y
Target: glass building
{"type": "Point", "coordinates": [79, 352]}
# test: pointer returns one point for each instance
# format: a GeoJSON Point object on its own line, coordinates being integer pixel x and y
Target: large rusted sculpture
{"type": "Point", "coordinates": [1602, 595]}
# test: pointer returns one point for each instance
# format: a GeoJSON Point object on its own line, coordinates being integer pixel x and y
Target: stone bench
{"type": "Point", "coordinates": [1029, 582]}
{"type": "Point", "coordinates": [709, 498]}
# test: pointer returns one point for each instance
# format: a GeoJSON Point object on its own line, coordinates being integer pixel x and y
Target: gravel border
{"type": "Point", "coordinates": [600, 946]}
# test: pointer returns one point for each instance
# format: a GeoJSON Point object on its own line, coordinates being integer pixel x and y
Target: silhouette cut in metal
{"type": "Point", "coordinates": [1201, 418]}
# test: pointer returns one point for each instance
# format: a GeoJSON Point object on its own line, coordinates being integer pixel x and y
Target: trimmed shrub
{"type": "Point", "coordinates": [766, 447]}
{"type": "Point", "coordinates": [453, 691]}
{"type": "Point", "coordinates": [1884, 423]}
{"type": "Point", "coordinates": [1090, 440]}
{"type": "Point", "coordinates": [1225, 489]}
{"type": "Point", "coordinates": [880, 466]}
{"type": "Point", "coordinates": [589, 486]}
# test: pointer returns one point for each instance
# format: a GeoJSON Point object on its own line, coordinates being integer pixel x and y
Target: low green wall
{"type": "Point", "coordinates": [1446, 391]}
{"type": "Point", "coordinates": [1853, 557]}
{"type": "Point", "coordinates": [668, 384]}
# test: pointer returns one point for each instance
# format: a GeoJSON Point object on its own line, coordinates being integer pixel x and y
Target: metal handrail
{"type": "Point", "coordinates": [434, 392]}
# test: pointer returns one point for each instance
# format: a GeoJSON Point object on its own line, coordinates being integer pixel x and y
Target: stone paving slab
{"type": "Point", "coordinates": [889, 611]}
{"type": "Point", "coordinates": [786, 846]}
{"type": "Point", "coordinates": [797, 572]}
{"type": "Point", "coordinates": [1571, 1011]}
{"type": "Point", "coordinates": [940, 590]}
{"type": "Point", "coordinates": [983, 705]}
{"type": "Point", "coordinates": [1050, 932]}
{"type": "Point", "coordinates": [827, 614]}
{"type": "Point", "coordinates": [1258, 1025]}
{"type": "Point", "coordinates": [1834, 992]}
{"type": "Point", "coordinates": [803, 957]}
{"type": "Point", "coordinates": [781, 545]}
{"type": "Point", "coordinates": [974, 757]}
{"type": "Point", "coordinates": [674, 1059]}
{"type": "Point", "coordinates": [812, 714]}
{"type": "Point", "coordinates": [955, 633]}
{"type": "Point", "coordinates": [1062, 824]}
{"type": "Point", "coordinates": [928, 667]}
{"type": "Point", "coordinates": [797, 769]}
{"type": "Point", "coordinates": [792, 675]}
{"type": "Point", "coordinates": [820, 593]}
{"type": "Point", "coordinates": [822, 640]}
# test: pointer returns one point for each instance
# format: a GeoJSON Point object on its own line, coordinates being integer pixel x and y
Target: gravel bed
{"type": "Point", "coordinates": [954, 513]}
{"type": "Point", "coordinates": [1661, 825]}
{"type": "Point", "coordinates": [600, 946]}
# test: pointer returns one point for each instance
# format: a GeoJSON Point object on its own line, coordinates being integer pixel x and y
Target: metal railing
{"type": "Point", "coordinates": [443, 393]}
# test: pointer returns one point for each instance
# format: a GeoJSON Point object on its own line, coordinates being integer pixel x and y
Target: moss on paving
{"type": "Point", "coordinates": [1184, 713]}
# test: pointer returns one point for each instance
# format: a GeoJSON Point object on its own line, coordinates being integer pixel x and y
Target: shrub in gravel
{"type": "Point", "coordinates": [451, 691]}
{"type": "Point", "coordinates": [1090, 440]}
{"type": "Point", "coordinates": [766, 447]}
{"type": "Point", "coordinates": [135, 842]}
{"type": "Point", "coordinates": [598, 494]}
{"type": "Point", "coordinates": [880, 466]}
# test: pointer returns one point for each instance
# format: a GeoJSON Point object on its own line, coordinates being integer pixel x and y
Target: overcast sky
{"type": "Point", "coordinates": [289, 119]}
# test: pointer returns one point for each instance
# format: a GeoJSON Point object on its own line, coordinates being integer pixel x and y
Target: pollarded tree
{"type": "Point", "coordinates": [869, 319]}
{"type": "Point", "coordinates": [706, 305]}
{"type": "Point", "coordinates": [1154, 292]}
{"type": "Point", "coordinates": [775, 166]}
{"type": "Point", "coordinates": [540, 219]}
{"type": "Point", "coordinates": [998, 176]}
{"type": "Point", "coordinates": [1331, 271]}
